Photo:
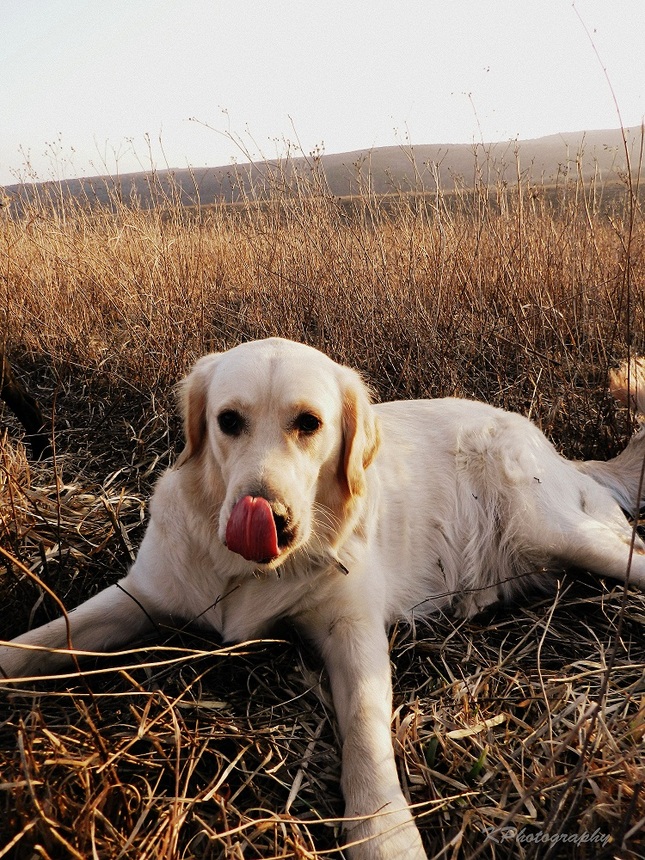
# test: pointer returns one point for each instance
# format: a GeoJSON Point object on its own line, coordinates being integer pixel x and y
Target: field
{"type": "Point", "coordinates": [518, 734]}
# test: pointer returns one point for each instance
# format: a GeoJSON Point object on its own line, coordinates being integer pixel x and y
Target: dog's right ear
{"type": "Point", "coordinates": [361, 437]}
{"type": "Point", "coordinates": [193, 391]}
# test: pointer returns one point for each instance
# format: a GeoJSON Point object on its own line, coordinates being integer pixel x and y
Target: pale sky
{"type": "Point", "coordinates": [91, 86]}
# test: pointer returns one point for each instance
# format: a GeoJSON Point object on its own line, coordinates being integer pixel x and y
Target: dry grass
{"type": "Point", "coordinates": [528, 721]}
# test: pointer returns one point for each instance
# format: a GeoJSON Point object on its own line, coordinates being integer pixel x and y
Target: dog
{"type": "Point", "coordinates": [296, 497]}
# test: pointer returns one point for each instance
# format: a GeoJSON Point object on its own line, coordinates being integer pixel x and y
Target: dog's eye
{"type": "Point", "coordinates": [230, 422]}
{"type": "Point", "coordinates": [307, 423]}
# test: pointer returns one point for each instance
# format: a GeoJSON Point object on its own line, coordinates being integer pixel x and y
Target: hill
{"type": "Point", "coordinates": [545, 161]}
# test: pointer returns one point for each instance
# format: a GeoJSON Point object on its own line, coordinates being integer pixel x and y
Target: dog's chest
{"type": "Point", "coordinates": [248, 606]}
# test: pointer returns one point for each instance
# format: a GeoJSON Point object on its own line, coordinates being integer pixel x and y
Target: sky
{"type": "Point", "coordinates": [105, 86]}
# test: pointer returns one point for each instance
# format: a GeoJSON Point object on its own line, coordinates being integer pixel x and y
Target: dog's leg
{"type": "Point", "coordinates": [109, 619]}
{"type": "Point", "coordinates": [587, 529]}
{"type": "Point", "coordinates": [379, 823]}
{"type": "Point", "coordinates": [598, 547]}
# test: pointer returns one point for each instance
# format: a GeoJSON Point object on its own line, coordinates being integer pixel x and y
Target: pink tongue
{"type": "Point", "coordinates": [251, 531]}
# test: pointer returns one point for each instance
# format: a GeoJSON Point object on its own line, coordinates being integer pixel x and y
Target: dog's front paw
{"type": "Point", "coordinates": [389, 834]}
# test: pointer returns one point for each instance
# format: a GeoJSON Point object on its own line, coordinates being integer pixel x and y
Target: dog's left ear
{"type": "Point", "coordinates": [193, 395]}
{"type": "Point", "coordinates": [360, 434]}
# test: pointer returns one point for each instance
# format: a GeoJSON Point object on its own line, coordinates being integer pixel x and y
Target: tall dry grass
{"type": "Point", "coordinates": [531, 718]}
{"type": "Point", "coordinates": [473, 293]}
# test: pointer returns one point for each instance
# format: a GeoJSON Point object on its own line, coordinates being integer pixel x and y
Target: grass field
{"type": "Point", "coordinates": [518, 734]}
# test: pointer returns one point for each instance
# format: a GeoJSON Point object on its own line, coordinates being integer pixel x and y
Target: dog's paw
{"type": "Point", "coordinates": [389, 834]}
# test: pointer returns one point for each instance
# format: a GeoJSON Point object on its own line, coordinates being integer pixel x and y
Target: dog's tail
{"type": "Point", "coordinates": [624, 476]}
{"type": "Point", "coordinates": [627, 385]}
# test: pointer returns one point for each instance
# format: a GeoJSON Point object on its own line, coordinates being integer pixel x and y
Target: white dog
{"type": "Point", "coordinates": [295, 497]}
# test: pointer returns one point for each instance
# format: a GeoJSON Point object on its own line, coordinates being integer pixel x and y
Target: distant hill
{"type": "Point", "coordinates": [543, 161]}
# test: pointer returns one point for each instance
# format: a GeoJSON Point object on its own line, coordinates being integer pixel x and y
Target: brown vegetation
{"type": "Point", "coordinates": [23, 405]}
{"type": "Point", "coordinates": [528, 718]}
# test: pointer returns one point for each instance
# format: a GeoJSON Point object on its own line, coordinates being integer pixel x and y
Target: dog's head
{"type": "Point", "coordinates": [280, 437]}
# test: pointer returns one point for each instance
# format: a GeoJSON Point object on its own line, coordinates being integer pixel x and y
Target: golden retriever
{"type": "Point", "coordinates": [296, 497]}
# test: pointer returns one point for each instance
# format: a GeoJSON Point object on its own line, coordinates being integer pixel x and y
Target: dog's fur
{"type": "Point", "coordinates": [386, 511]}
